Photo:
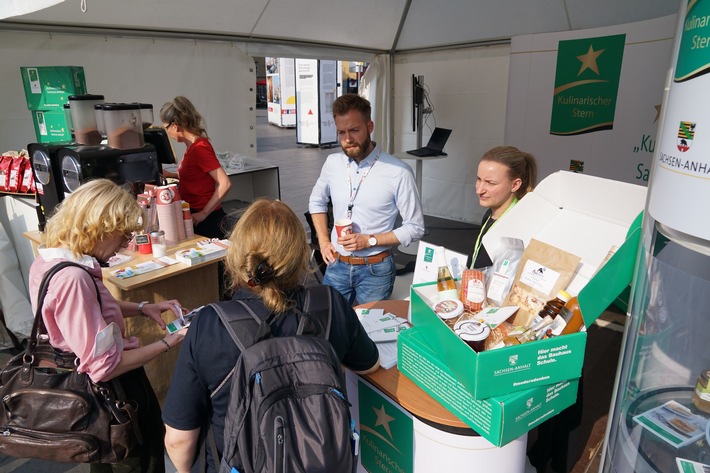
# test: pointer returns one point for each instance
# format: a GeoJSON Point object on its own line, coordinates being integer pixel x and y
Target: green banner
{"type": "Point", "coordinates": [586, 84]}
{"type": "Point", "coordinates": [694, 51]}
{"type": "Point", "coordinates": [386, 434]}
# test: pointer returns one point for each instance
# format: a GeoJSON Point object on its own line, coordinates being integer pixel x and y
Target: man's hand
{"type": "Point", "coordinates": [327, 251]}
{"type": "Point", "coordinates": [354, 241]}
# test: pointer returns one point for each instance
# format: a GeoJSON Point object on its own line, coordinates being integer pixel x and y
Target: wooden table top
{"type": "Point", "coordinates": [140, 280]}
{"type": "Point", "coordinates": [402, 389]}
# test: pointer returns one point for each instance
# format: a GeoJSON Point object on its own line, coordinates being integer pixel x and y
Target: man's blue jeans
{"type": "Point", "coordinates": [364, 283]}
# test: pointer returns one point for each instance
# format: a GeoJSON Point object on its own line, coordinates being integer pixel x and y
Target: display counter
{"type": "Point", "coordinates": [193, 286]}
{"type": "Point", "coordinates": [402, 428]}
{"type": "Point", "coordinates": [250, 183]}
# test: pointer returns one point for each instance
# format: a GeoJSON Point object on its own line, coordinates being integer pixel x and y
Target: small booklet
{"type": "Point", "coordinates": [142, 268]}
{"type": "Point", "coordinates": [673, 423]}
{"type": "Point", "coordinates": [689, 466]}
{"type": "Point", "coordinates": [119, 258]}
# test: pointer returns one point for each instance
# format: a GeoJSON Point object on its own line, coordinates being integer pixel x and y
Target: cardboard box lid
{"type": "Point", "coordinates": [581, 214]}
{"type": "Point", "coordinates": [612, 278]}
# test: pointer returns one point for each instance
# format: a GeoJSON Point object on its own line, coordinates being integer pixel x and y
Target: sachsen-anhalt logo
{"type": "Point", "coordinates": [686, 133]}
{"type": "Point", "coordinates": [512, 360]}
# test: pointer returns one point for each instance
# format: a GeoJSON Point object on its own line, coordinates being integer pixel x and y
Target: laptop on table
{"type": "Point", "coordinates": [435, 146]}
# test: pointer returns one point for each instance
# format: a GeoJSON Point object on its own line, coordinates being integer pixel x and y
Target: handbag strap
{"type": "Point", "coordinates": [38, 326]}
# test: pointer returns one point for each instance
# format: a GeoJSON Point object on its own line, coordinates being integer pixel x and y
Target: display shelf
{"type": "Point", "coordinates": [18, 194]}
{"type": "Point", "coordinates": [644, 451]}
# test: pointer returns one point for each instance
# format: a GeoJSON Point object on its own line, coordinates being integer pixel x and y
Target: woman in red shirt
{"type": "Point", "coordinates": [202, 181]}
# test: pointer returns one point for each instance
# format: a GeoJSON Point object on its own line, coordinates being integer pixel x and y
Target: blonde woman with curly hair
{"type": "Point", "coordinates": [87, 228]}
{"type": "Point", "coordinates": [266, 262]}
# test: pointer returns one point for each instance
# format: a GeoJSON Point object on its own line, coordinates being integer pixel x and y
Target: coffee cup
{"type": "Point", "coordinates": [343, 227]}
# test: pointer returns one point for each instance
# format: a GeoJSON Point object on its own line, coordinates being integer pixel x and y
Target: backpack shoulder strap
{"type": "Point", "coordinates": [318, 307]}
{"type": "Point", "coordinates": [241, 322]}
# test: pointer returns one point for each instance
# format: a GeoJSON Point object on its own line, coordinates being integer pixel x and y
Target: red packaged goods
{"type": "Point", "coordinates": [5, 162]}
{"type": "Point", "coordinates": [27, 182]}
{"type": "Point", "coordinates": [473, 290]}
{"type": "Point", "coordinates": [17, 167]}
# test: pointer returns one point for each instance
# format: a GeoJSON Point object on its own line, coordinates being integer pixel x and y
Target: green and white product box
{"type": "Point", "coordinates": [49, 87]}
{"type": "Point", "coordinates": [50, 126]}
{"type": "Point", "coordinates": [588, 222]}
{"type": "Point", "coordinates": [498, 419]}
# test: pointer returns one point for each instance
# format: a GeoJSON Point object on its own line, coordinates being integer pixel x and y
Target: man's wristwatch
{"type": "Point", "coordinates": [372, 241]}
{"type": "Point", "coordinates": [140, 308]}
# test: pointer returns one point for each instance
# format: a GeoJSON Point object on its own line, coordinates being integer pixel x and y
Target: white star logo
{"type": "Point", "coordinates": [383, 419]}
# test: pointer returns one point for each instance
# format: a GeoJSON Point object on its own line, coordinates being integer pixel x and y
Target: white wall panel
{"type": "Point", "coordinates": [217, 76]}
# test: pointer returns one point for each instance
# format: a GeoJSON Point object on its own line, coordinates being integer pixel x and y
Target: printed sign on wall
{"type": "Point", "coordinates": [681, 173]}
{"type": "Point", "coordinates": [586, 84]}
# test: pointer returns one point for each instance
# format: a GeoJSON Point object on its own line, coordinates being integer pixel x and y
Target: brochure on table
{"type": "Point", "coordinates": [383, 329]}
{"type": "Point", "coordinates": [144, 267]}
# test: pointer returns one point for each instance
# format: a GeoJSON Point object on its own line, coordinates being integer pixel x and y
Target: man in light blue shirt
{"type": "Point", "coordinates": [368, 187]}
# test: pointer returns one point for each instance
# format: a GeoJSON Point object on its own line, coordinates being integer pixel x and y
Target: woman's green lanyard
{"type": "Point", "coordinates": [477, 247]}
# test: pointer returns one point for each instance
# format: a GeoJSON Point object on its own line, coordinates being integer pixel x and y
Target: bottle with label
{"type": "Point", "coordinates": [445, 283]}
{"type": "Point", "coordinates": [572, 315]}
{"type": "Point", "coordinates": [553, 307]}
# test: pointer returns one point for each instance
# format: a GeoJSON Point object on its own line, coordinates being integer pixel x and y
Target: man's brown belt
{"type": "Point", "coordinates": [360, 260]}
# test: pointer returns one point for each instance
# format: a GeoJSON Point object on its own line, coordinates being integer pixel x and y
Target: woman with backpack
{"type": "Point", "coordinates": [266, 263]}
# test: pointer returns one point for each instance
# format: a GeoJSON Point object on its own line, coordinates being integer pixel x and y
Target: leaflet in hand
{"type": "Point", "coordinates": [181, 322]}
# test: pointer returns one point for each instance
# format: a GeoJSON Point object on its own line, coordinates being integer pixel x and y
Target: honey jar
{"type": "Point", "coordinates": [473, 333]}
{"type": "Point", "coordinates": [701, 395]}
{"type": "Point", "coordinates": [448, 310]}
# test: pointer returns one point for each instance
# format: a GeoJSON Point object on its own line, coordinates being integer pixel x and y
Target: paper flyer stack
{"type": "Point", "coordinates": [383, 329]}
{"type": "Point", "coordinates": [205, 250]}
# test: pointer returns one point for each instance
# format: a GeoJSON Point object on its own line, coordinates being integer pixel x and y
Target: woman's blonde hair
{"type": "Point", "coordinates": [88, 215]}
{"type": "Point", "coordinates": [521, 165]}
{"type": "Point", "coordinates": [269, 251]}
{"type": "Point", "coordinates": [181, 111]}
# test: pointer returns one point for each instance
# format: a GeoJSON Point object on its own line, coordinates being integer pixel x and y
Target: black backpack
{"type": "Point", "coordinates": [288, 409]}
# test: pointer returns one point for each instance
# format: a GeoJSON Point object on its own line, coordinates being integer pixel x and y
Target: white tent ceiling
{"type": "Point", "coordinates": [363, 25]}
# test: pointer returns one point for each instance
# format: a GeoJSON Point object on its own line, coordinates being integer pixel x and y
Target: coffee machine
{"type": "Point", "coordinates": [46, 167]}
{"type": "Point", "coordinates": [60, 168]}
{"type": "Point", "coordinates": [80, 164]}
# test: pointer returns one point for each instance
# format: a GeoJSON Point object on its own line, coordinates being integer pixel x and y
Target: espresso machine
{"type": "Point", "coordinates": [137, 167]}
{"type": "Point", "coordinates": [60, 168]}
{"type": "Point", "coordinates": [46, 168]}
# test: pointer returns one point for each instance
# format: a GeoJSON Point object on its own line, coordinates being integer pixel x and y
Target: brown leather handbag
{"type": "Point", "coordinates": [53, 412]}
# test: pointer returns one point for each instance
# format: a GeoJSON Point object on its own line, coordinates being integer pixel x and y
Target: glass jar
{"type": "Point", "coordinates": [449, 311]}
{"type": "Point", "coordinates": [159, 246]}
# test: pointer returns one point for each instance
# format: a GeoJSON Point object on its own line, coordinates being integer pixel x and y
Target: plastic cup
{"type": "Point", "coordinates": [343, 227]}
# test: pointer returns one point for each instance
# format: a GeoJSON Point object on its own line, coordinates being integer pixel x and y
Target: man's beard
{"type": "Point", "coordinates": [358, 150]}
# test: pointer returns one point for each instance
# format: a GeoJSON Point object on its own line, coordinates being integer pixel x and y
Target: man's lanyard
{"type": "Point", "coordinates": [353, 192]}
{"type": "Point", "coordinates": [477, 247]}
